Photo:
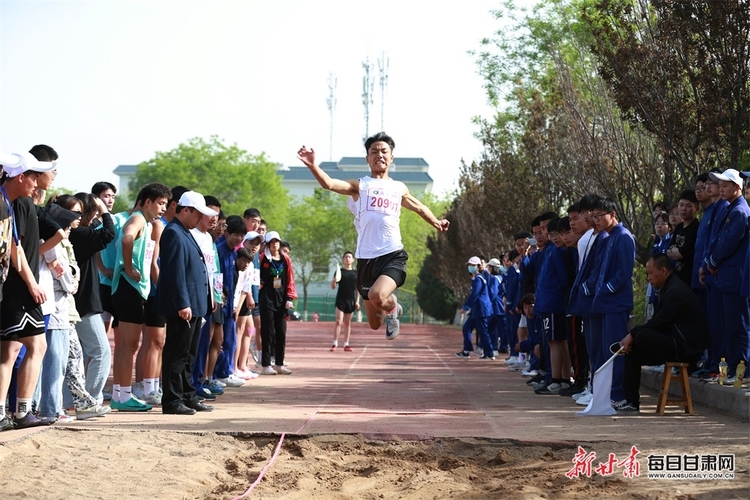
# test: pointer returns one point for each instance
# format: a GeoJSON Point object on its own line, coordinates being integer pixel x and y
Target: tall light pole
{"type": "Point", "coordinates": [383, 68]}
{"type": "Point", "coordinates": [368, 86]}
{"type": "Point", "coordinates": [331, 101]}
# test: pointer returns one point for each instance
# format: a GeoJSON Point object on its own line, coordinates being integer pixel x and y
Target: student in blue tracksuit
{"type": "Point", "coordinates": [745, 288]}
{"type": "Point", "coordinates": [550, 305]}
{"type": "Point", "coordinates": [726, 262]}
{"type": "Point", "coordinates": [533, 324]}
{"type": "Point", "coordinates": [481, 310]}
{"type": "Point", "coordinates": [713, 294]}
{"type": "Point", "coordinates": [613, 298]}
{"type": "Point", "coordinates": [497, 298]}
{"type": "Point", "coordinates": [512, 302]}
{"type": "Point", "coordinates": [701, 242]}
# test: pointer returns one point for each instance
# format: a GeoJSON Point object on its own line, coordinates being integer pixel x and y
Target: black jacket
{"type": "Point", "coordinates": [679, 314]}
{"type": "Point", "coordinates": [87, 242]}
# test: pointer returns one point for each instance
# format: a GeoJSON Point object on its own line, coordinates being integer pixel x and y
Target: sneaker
{"type": "Point", "coordinates": [617, 404]}
{"type": "Point", "coordinates": [137, 391]}
{"type": "Point", "coordinates": [536, 379]}
{"type": "Point", "coordinates": [282, 370]}
{"type": "Point", "coordinates": [484, 358]}
{"type": "Point", "coordinates": [529, 373]}
{"type": "Point", "coordinates": [392, 324]}
{"type": "Point", "coordinates": [6, 423]}
{"type": "Point", "coordinates": [232, 381]}
{"type": "Point", "coordinates": [64, 418]}
{"type": "Point", "coordinates": [153, 398]}
{"type": "Point", "coordinates": [258, 363]}
{"type": "Point", "coordinates": [246, 374]}
{"type": "Point", "coordinates": [347, 348]}
{"type": "Point", "coordinates": [463, 354]}
{"type": "Point", "coordinates": [220, 383]}
{"type": "Point", "coordinates": [580, 395]}
{"type": "Point", "coordinates": [254, 354]}
{"type": "Point", "coordinates": [711, 377]}
{"type": "Point", "coordinates": [213, 387]}
{"type": "Point", "coordinates": [585, 400]}
{"type": "Point", "coordinates": [31, 420]}
{"type": "Point", "coordinates": [627, 408]}
{"type": "Point", "coordinates": [203, 391]}
{"type": "Point", "coordinates": [572, 390]}
{"type": "Point", "coordinates": [548, 389]}
{"type": "Point", "coordinates": [511, 360]}
{"type": "Point", "coordinates": [267, 370]}
{"type": "Point", "coordinates": [92, 411]}
{"type": "Point", "coordinates": [133, 405]}
{"type": "Point", "coordinates": [496, 353]}
{"type": "Point", "coordinates": [333, 348]}
{"type": "Point", "coordinates": [538, 385]}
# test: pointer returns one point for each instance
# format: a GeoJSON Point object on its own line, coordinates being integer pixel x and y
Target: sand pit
{"type": "Point", "coordinates": [63, 463]}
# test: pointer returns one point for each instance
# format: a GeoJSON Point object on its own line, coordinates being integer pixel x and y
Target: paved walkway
{"type": "Point", "coordinates": [416, 386]}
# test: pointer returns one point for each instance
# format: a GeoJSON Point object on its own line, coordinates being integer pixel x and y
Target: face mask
{"type": "Point", "coordinates": [503, 269]}
{"type": "Point", "coordinates": [472, 269]}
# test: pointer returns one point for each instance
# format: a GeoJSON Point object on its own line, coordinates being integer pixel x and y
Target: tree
{"type": "Point", "coordinates": [238, 179]}
{"type": "Point", "coordinates": [320, 230]}
{"type": "Point", "coordinates": [682, 71]}
{"type": "Point", "coordinates": [436, 299]}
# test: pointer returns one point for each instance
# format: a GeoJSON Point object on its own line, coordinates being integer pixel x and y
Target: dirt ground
{"type": "Point", "coordinates": [403, 419]}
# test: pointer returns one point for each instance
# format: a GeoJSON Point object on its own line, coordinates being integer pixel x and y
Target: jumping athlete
{"type": "Point", "coordinates": [381, 259]}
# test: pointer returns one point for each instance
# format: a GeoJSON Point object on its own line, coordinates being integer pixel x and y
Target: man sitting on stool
{"type": "Point", "coordinates": [678, 331]}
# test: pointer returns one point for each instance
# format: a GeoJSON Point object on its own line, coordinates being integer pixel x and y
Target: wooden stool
{"type": "Point", "coordinates": [686, 401]}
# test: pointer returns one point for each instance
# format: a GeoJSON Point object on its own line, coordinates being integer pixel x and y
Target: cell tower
{"type": "Point", "coordinates": [383, 67]}
{"type": "Point", "coordinates": [368, 87]}
{"type": "Point", "coordinates": [331, 101]}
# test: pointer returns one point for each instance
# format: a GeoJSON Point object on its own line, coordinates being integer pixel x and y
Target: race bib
{"type": "Point", "coordinates": [148, 257]}
{"type": "Point", "coordinates": [210, 259]}
{"type": "Point", "coordinates": [384, 202]}
{"type": "Point", "coordinates": [218, 283]}
{"type": "Point", "coordinates": [277, 283]}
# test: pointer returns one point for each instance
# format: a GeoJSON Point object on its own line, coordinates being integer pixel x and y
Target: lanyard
{"type": "Point", "coordinates": [277, 269]}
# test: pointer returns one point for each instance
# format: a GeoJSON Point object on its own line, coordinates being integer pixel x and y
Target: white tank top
{"type": "Point", "coordinates": [377, 217]}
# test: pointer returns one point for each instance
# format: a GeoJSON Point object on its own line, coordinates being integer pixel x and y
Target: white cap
{"type": "Point", "coordinates": [251, 235]}
{"type": "Point", "coordinates": [729, 175]}
{"type": "Point", "coordinates": [474, 261]}
{"type": "Point", "coordinates": [196, 200]}
{"type": "Point", "coordinates": [494, 263]}
{"type": "Point", "coordinates": [272, 235]}
{"type": "Point", "coordinates": [17, 163]}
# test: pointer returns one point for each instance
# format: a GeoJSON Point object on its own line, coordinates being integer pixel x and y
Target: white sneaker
{"type": "Point", "coordinates": [585, 400]}
{"type": "Point", "coordinates": [392, 324]}
{"type": "Point", "coordinates": [137, 391]}
{"type": "Point", "coordinates": [511, 360]}
{"type": "Point", "coordinates": [94, 411]}
{"type": "Point", "coordinates": [282, 370]}
{"type": "Point", "coordinates": [528, 373]}
{"type": "Point", "coordinates": [267, 370]}
{"type": "Point", "coordinates": [578, 396]}
{"type": "Point", "coordinates": [232, 381]}
{"type": "Point", "coordinates": [219, 383]}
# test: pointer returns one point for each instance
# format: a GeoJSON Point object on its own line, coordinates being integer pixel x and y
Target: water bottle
{"type": "Point", "coordinates": [722, 371]}
{"type": "Point", "coordinates": [740, 373]}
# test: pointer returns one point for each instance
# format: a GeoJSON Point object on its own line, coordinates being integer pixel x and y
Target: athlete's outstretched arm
{"type": "Point", "coordinates": [307, 156]}
{"type": "Point", "coordinates": [416, 206]}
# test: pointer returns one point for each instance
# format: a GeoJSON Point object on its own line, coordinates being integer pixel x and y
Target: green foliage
{"type": "Point", "coordinates": [435, 299]}
{"type": "Point", "coordinates": [319, 230]}
{"type": "Point", "coordinates": [238, 179]}
{"type": "Point", "coordinates": [414, 234]}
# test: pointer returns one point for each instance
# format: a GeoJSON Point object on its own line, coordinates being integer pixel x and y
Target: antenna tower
{"type": "Point", "coordinates": [368, 87]}
{"type": "Point", "coordinates": [331, 101]}
{"type": "Point", "coordinates": [383, 67]}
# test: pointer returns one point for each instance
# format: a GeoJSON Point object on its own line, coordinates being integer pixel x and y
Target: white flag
{"type": "Point", "coordinates": [601, 404]}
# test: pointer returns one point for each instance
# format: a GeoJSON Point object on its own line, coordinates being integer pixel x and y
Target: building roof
{"type": "Point", "coordinates": [125, 169]}
{"type": "Point", "coordinates": [303, 174]}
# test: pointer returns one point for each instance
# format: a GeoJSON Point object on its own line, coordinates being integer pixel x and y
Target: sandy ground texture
{"type": "Point", "coordinates": [403, 419]}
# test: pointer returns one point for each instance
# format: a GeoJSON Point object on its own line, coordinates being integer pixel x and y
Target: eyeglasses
{"type": "Point", "coordinates": [660, 224]}
{"type": "Point", "coordinates": [597, 217]}
{"type": "Point", "coordinates": [222, 226]}
{"type": "Point", "coordinates": [702, 187]}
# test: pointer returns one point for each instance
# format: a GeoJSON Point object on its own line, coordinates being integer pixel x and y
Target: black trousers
{"type": "Point", "coordinates": [273, 333]}
{"type": "Point", "coordinates": [650, 348]}
{"type": "Point", "coordinates": [579, 355]}
{"type": "Point", "coordinates": [180, 347]}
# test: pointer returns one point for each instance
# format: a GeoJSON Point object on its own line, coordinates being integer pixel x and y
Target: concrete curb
{"type": "Point", "coordinates": [724, 398]}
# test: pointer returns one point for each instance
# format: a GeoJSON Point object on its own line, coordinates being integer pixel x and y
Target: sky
{"type": "Point", "coordinates": [112, 82]}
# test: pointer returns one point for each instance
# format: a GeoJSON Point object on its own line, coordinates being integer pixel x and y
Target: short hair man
{"type": "Point", "coordinates": [678, 330]}
{"type": "Point", "coordinates": [106, 192]}
{"type": "Point", "coordinates": [381, 257]}
{"type": "Point", "coordinates": [682, 249]}
{"type": "Point", "coordinates": [182, 296]}
{"type": "Point", "coordinates": [613, 299]}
